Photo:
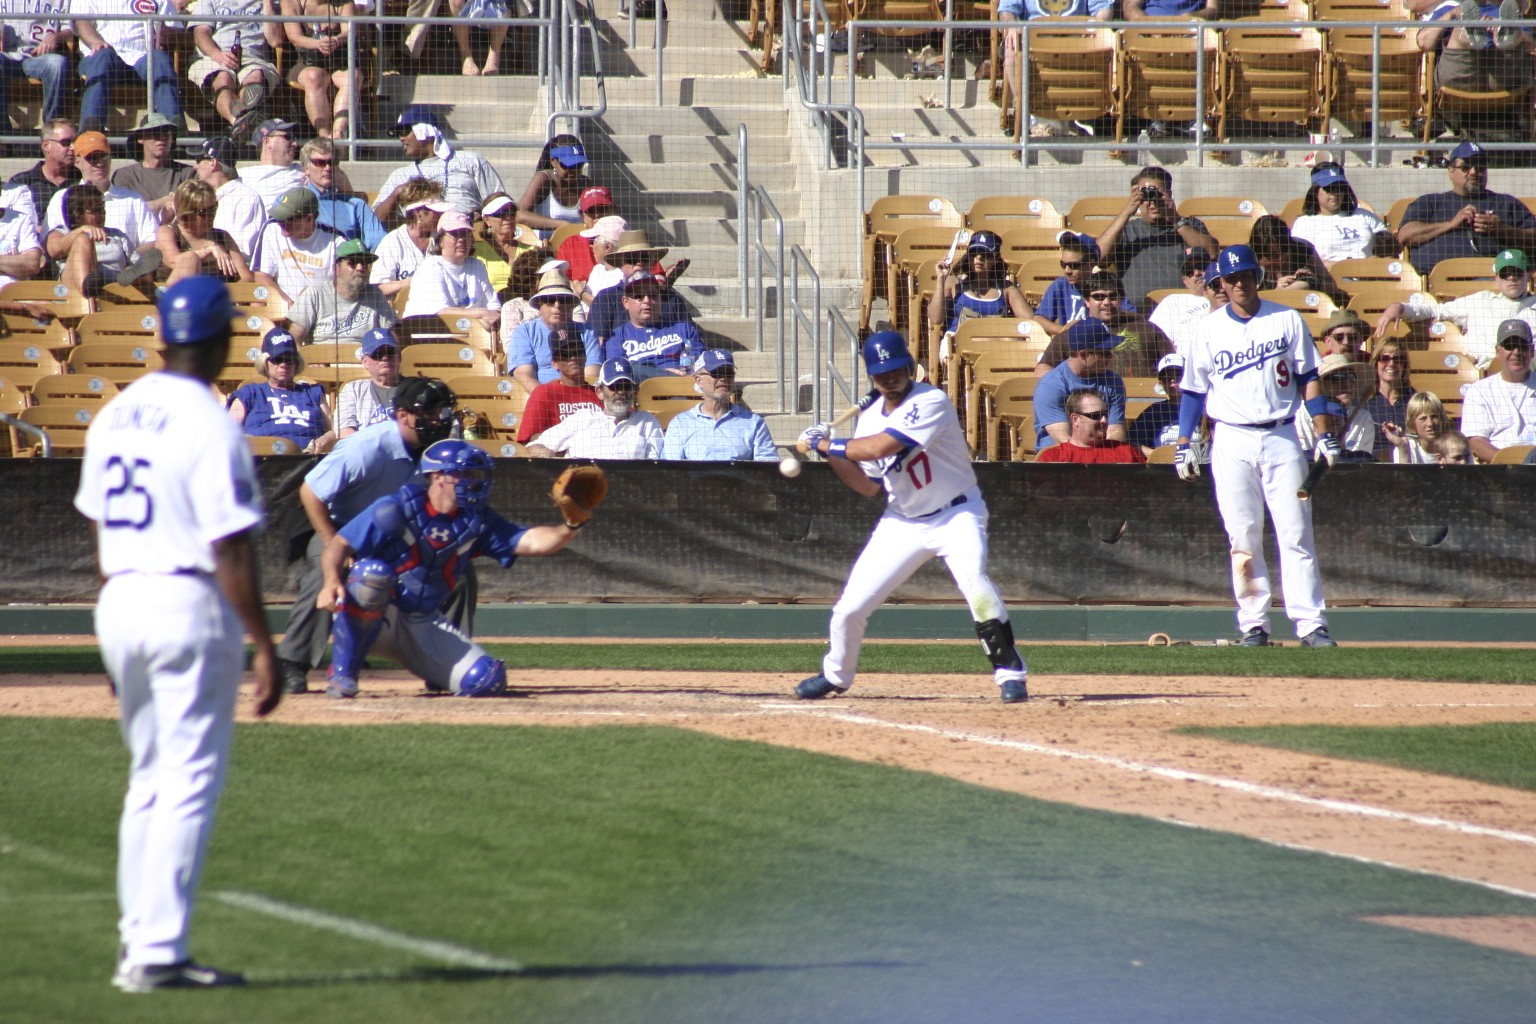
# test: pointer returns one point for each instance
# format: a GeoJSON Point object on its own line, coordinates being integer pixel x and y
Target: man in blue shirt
{"type": "Point", "coordinates": [653, 346]}
{"type": "Point", "coordinates": [346, 215]}
{"type": "Point", "coordinates": [1091, 349]}
{"type": "Point", "coordinates": [717, 430]}
{"type": "Point", "coordinates": [1469, 220]}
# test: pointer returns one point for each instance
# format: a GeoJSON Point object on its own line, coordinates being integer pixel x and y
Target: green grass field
{"type": "Point", "coordinates": [655, 875]}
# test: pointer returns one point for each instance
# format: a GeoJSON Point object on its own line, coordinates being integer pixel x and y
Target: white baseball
{"type": "Point", "coordinates": [789, 466]}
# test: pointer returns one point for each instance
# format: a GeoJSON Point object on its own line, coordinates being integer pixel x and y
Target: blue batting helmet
{"type": "Point", "coordinates": [1235, 259]}
{"type": "Point", "coordinates": [195, 310]}
{"type": "Point", "coordinates": [470, 463]}
{"type": "Point", "coordinates": [884, 351]}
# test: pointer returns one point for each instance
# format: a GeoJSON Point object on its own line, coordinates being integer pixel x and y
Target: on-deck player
{"type": "Point", "coordinates": [171, 486]}
{"type": "Point", "coordinates": [1250, 366]}
{"type": "Point", "coordinates": [909, 444]}
{"type": "Point", "coordinates": [411, 546]}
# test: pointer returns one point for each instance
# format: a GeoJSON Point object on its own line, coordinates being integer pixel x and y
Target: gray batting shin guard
{"type": "Point", "coordinates": [996, 638]}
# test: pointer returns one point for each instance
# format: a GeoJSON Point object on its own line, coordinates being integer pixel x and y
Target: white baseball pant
{"type": "Point", "coordinates": [176, 686]}
{"type": "Point", "coordinates": [1254, 468]}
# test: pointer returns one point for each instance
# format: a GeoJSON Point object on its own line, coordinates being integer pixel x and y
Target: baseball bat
{"type": "Point", "coordinates": [843, 417]}
{"type": "Point", "coordinates": [1320, 466]}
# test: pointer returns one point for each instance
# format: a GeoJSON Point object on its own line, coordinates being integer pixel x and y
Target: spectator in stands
{"type": "Point", "coordinates": [294, 252]}
{"type": "Point", "coordinates": [979, 287]}
{"type": "Point", "coordinates": [1479, 59]}
{"type": "Point", "coordinates": [1337, 375]}
{"type": "Point", "coordinates": [454, 284]}
{"type": "Point", "coordinates": [1453, 448]}
{"type": "Point", "coordinates": [321, 67]}
{"type": "Point", "coordinates": [604, 238]}
{"type": "Point", "coordinates": [503, 240]}
{"type": "Point", "coordinates": [89, 251]}
{"type": "Point", "coordinates": [275, 171]}
{"type": "Point", "coordinates": [1025, 10]}
{"type": "Point", "coordinates": [1469, 220]}
{"type": "Point", "coordinates": [468, 179]}
{"type": "Point", "coordinates": [156, 175]}
{"type": "Point", "coordinates": [1091, 349]}
{"type": "Point", "coordinates": [403, 249]}
{"type": "Point", "coordinates": [464, 13]}
{"type": "Point", "coordinates": [616, 429]}
{"type": "Point", "coordinates": [651, 345]}
{"type": "Point", "coordinates": [21, 250]}
{"type": "Point", "coordinates": [235, 67]}
{"type": "Point", "coordinates": [556, 400]}
{"type": "Point", "coordinates": [1062, 303]}
{"type": "Point", "coordinates": [1158, 423]}
{"type": "Point", "coordinates": [1086, 441]}
{"type": "Point", "coordinates": [1344, 333]}
{"type": "Point", "coordinates": [31, 49]}
{"type": "Point", "coordinates": [1139, 345]}
{"type": "Point", "coordinates": [54, 171]}
{"type": "Point", "coordinates": [553, 195]}
{"type": "Point", "coordinates": [1177, 315]}
{"type": "Point", "coordinates": [346, 215]}
{"type": "Point", "coordinates": [596, 203]}
{"type": "Point", "coordinates": [190, 245]}
{"type": "Point", "coordinates": [717, 429]}
{"type": "Point", "coordinates": [362, 403]}
{"type": "Point", "coordinates": [1334, 223]}
{"type": "Point", "coordinates": [1164, 10]}
{"type": "Point", "coordinates": [516, 305]}
{"type": "Point", "coordinates": [282, 405]}
{"type": "Point", "coordinates": [123, 51]}
{"type": "Point", "coordinates": [1289, 262]}
{"type": "Point", "coordinates": [126, 211]}
{"type": "Point", "coordinates": [346, 308]}
{"type": "Point", "coordinates": [1425, 422]}
{"type": "Point", "coordinates": [528, 350]}
{"type": "Point", "coordinates": [1394, 390]}
{"type": "Point", "coordinates": [1148, 241]}
{"type": "Point", "coordinates": [1500, 409]}
{"type": "Point", "coordinates": [241, 212]}
{"type": "Point", "coordinates": [635, 256]}
{"type": "Point", "coordinates": [1478, 314]}
{"type": "Point", "coordinates": [1213, 289]}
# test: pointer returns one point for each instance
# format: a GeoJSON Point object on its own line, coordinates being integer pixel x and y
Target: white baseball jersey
{"type": "Point", "coordinates": [166, 473]}
{"type": "Point", "coordinates": [933, 467]}
{"type": "Point", "coordinates": [1247, 369]}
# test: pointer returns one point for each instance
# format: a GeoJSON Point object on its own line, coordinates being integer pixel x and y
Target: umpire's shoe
{"type": "Point", "coordinates": [1014, 691]}
{"type": "Point", "coordinates": [144, 978]}
{"type": "Point", "coordinates": [817, 687]}
{"type": "Point", "coordinates": [294, 675]}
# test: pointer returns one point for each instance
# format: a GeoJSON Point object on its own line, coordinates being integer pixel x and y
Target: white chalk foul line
{"type": "Point", "coordinates": [1178, 775]}
{"type": "Point", "coordinates": [446, 952]}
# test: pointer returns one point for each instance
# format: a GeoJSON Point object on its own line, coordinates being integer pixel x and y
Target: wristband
{"type": "Point", "coordinates": [1321, 406]}
{"type": "Point", "coordinates": [838, 448]}
{"type": "Point", "coordinates": [573, 526]}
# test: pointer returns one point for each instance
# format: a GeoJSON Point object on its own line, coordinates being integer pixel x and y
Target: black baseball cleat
{"type": "Point", "coordinates": [143, 978]}
{"type": "Point", "coordinates": [293, 675]}
{"type": "Point", "coordinates": [1014, 691]}
{"type": "Point", "coordinates": [1319, 637]}
{"type": "Point", "coordinates": [1258, 636]}
{"type": "Point", "coordinates": [817, 687]}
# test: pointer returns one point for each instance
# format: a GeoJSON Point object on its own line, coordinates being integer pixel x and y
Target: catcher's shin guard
{"type": "Point", "coordinates": [360, 619]}
{"type": "Point", "coordinates": [997, 641]}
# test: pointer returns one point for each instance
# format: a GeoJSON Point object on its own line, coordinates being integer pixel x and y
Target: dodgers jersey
{"type": "Point", "coordinates": [1247, 369]}
{"type": "Point", "coordinates": [166, 473]}
{"type": "Point", "coordinates": [933, 467]}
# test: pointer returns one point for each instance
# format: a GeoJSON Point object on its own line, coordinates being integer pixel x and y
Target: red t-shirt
{"type": "Point", "coordinates": [577, 251]}
{"type": "Point", "coordinates": [1109, 452]}
{"type": "Point", "coordinates": [549, 404]}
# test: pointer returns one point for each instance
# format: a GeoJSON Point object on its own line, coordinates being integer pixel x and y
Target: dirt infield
{"type": "Point", "coordinates": [1096, 741]}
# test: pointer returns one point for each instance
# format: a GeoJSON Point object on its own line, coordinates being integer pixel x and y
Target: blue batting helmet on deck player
{"type": "Point", "coordinates": [195, 310]}
{"type": "Point", "coordinates": [885, 351]}
{"type": "Point", "coordinates": [1235, 259]}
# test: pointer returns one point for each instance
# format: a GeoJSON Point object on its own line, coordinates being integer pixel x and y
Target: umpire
{"type": "Point", "coordinates": [362, 468]}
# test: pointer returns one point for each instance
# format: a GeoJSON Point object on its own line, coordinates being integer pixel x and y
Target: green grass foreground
{"type": "Point", "coordinates": [647, 875]}
{"type": "Point", "coordinates": [1499, 753]}
{"type": "Point", "coordinates": [1462, 665]}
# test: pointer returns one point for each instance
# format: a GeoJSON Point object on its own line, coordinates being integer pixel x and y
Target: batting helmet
{"type": "Point", "coordinates": [195, 310]}
{"type": "Point", "coordinates": [1235, 259]}
{"type": "Point", "coordinates": [470, 463]}
{"type": "Point", "coordinates": [885, 351]}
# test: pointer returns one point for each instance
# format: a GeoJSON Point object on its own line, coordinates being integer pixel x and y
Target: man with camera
{"type": "Point", "coordinates": [1148, 241]}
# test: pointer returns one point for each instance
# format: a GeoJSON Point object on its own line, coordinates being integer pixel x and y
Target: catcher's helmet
{"type": "Point", "coordinates": [1235, 259]}
{"type": "Point", "coordinates": [470, 463]}
{"type": "Point", "coordinates": [884, 351]}
{"type": "Point", "coordinates": [195, 310]}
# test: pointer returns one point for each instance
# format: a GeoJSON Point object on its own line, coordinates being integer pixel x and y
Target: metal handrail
{"type": "Point", "coordinates": [568, 105]}
{"type": "Point", "coordinates": [28, 428]}
{"type": "Point", "coordinates": [760, 205]}
{"type": "Point", "coordinates": [797, 315]}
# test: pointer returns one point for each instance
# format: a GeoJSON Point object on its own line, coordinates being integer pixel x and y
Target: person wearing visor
{"type": "Point", "coordinates": [553, 196]}
{"type": "Point", "coordinates": [502, 241]}
{"type": "Point", "coordinates": [403, 249]}
{"type": "Point", "coordinates": [454, 284]}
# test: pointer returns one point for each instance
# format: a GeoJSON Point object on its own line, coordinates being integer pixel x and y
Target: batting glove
{"type": "Point", "coordinates": [1327, 448]}
{"type": "Point", "coordinates": [814, 435]}
{"type": "Point", "coordinates": [1186, 462]}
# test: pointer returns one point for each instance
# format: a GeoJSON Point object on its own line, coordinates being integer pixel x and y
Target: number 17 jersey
{"type": "Point", "coordinates": [933, 467]}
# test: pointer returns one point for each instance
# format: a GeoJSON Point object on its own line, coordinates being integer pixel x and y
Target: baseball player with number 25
{"type": "Point", "coordinates": [1251, 364]}
{"type": "Point", "coordinates": [908, 443]}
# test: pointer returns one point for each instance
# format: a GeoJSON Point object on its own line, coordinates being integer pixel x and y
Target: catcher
{"type": "Point", "coordinates": [407, 550]}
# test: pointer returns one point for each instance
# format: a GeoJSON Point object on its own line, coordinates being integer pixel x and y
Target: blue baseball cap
{"type": "Point", "coordinates": [379, 337]}
{"type": "Point", "coordinates": [1087, 241]}
{"type": "Point", "coordinates": [278, 341]}
{"type": "Point", "coordinates": [1091, 335]}
{"type": "Point", "coordinates": [1469, 151]}
{"type": "Point", "coordinates": [615, 370]}
{"type": "Point", "coordinates": [1328, 176]}
{"type": "Point", "coordinates": [1212, 274]}
{"type": "Point", "coordinates": [569, 156]}
{"type": "Point", "coordinates": [417, 113]}
{"type": "Point", "coordinates": [194, 309]}
{"type": "Point", "coordinates": [713, 359]}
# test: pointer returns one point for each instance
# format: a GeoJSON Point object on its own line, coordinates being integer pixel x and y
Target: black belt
{"type": "Point", "coordinates": [1267, 424]}
{"type": "Point", "coordinates": [944, 508]}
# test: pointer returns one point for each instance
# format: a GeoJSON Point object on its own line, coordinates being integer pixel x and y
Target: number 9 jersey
{"type": "Point", "coordinates": [1254, 370]}
{"type": "Point", "coordinates": [933, 467]}
{"type": "Point", "coordinates": [166, 473]}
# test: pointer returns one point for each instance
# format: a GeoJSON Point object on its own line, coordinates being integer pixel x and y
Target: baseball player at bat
{"type": "Point", "coordinates": [908, 444]}
{"type": "Point", "coordinates": [408, 549]}
{"type": "Point", "coordinates": [1252, 364]}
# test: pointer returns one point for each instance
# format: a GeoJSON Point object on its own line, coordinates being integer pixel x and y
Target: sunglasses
{"type": "Point", "coordinates": [558, 300]}
{"type": "Point", "coordinates": [357, 261]}
{"type": "Point", "coordinates": [461, 235]}
{"type": "Point", "coordinates": [285, 360]}
{"type": "Point", "coordinates": [404, 130]}
{"type": "Point", "coordinates": [98, 158]}
{"type": "Point", "coordinates": [723, 373]}
{"type": "Point", "coordinates": [650, 296]}
{"type": "Point", "coordinates": [1095, 416]}
{"type": "Point", "coordinates": [570, 353]}
{"type": "Point", "coordinates": [622, 387]}
{"type": "Point", "coordinates": [1515, 345]}
{"type": "Point", "coordinates": [1469, 168]}
{"type": "Point", "coordinates": [1511, 273]}
{"type": "Point", "coordinates": [62, 142]}
{"type": "Point", "coordinates": [384, 353]}
{"type": "Point", "coordinates": [321, 161]}
{"type": "Point", "coordinates": [199, 211]}
{"type": "Point", "coordinates": [1103, 296]}
{"type": "Point", "coordinates": [1390, 360]}
{"type": "Point", "coordinates": [1071, 266]}
{"type": "Point", "coordinates": [1344, 336]}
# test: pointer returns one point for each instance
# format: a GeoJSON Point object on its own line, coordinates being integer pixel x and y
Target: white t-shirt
{"type": "Point", "coordinates": [439, 285]}
{"type": "Point", "coordinates": [241, 213]}
{"type": "Point", "coordinates": [603, 276]}
{"type": "Point", "coordinates": [933, 467]}
{"type": "Point", "coordinates": [271, 182]}
{"type": "Point", "coordinates": [1501, 411]}
{"type": "Point", "coordinates": [1360, 437]}
{"type": "Point", "coordinates": [129, 38]}
{"type": "Point", "coordinates": [18, 232]}
{"type": "Point", "coordinates": [1345, 236]}
{"type": "Point", "coordinates": [166, 474]}
{"type": "Point", "coordinates": [590, 433]}
{"type": "Point", "coordinates": [126, 210]}
{"type": "Point", "coordinates": [1177, 315]}
{"type": "Point", "coordinates": [293, 263]}
{"type": "Point", "coordinates": [398, 257]}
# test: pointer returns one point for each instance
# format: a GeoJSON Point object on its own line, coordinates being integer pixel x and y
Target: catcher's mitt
{"type": "Point", "coordinates": [577, 493]}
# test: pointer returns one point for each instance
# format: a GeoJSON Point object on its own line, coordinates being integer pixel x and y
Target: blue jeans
{"type": "Point", "coordinates": [104, 68]}
{"type": "Point", "coordinates": [48, 69]}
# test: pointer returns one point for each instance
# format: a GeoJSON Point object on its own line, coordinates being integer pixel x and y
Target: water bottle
{"type": "Point", "coordinates": [1144, 148]}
